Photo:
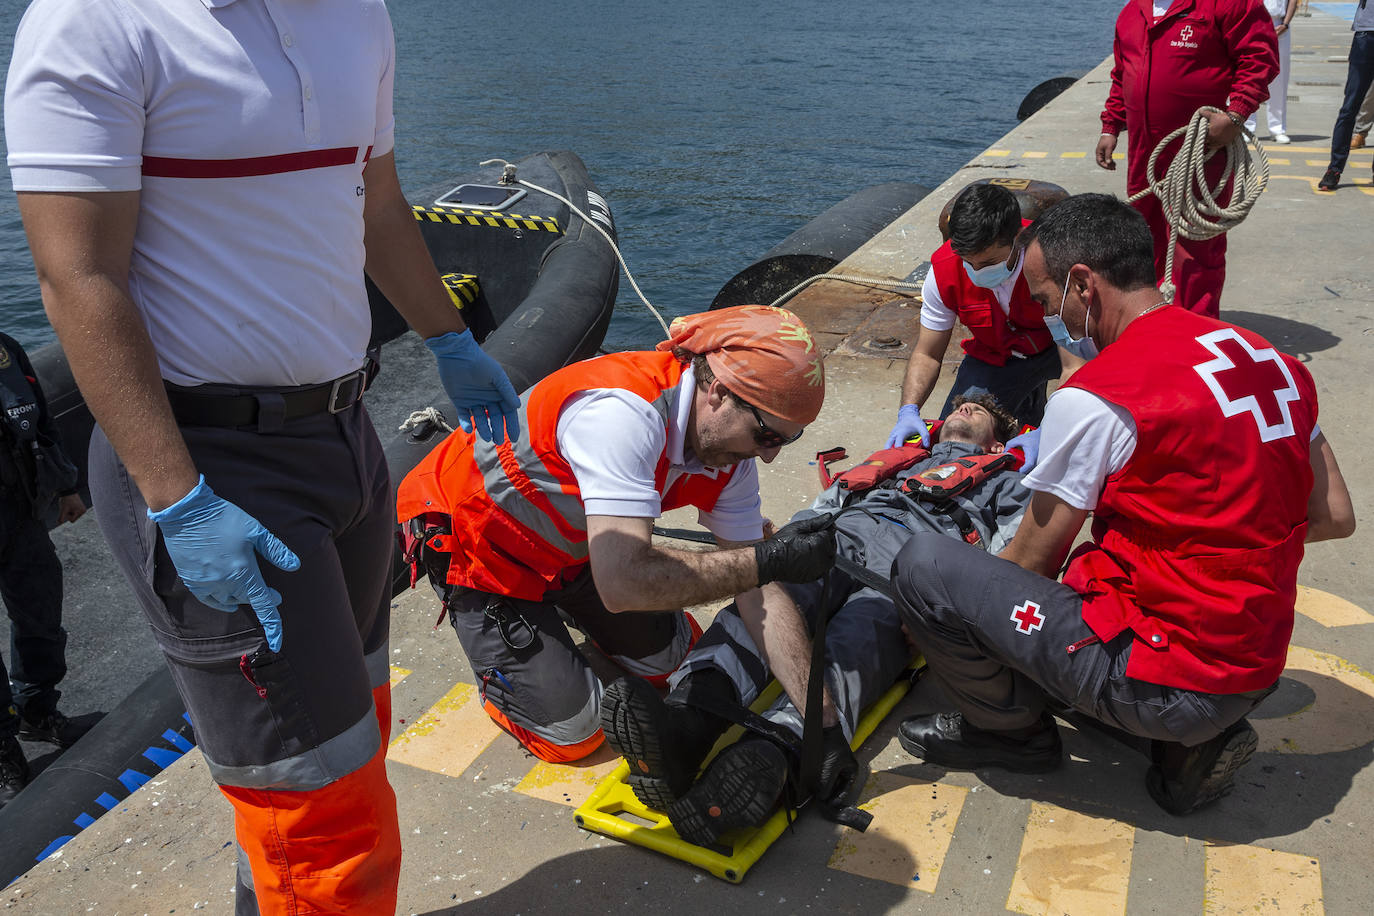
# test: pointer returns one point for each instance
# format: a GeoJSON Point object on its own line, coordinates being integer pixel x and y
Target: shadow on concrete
{"type": "Point", "coordinates": [1276, 794]}
{"type": "Point", "coordinates": [627, 879]}
{"type": "Point", "coordinates": [1296, 338]}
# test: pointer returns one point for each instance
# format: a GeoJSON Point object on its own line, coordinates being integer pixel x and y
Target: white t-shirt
{"type": "Point", "coordinates": [613, 439]}
{"type": "Point", "coordinates": [254, 279]}
{"type": "Point", "coordinates": [940, 317]}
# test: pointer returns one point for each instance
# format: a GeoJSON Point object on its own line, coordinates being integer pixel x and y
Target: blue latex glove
{"type": "Point", "coordinates": [212, 544]}
{"type": "Point", "coordinates": [909, 423]}
{"type": "Point", "coordinates": [477, 386]}
{"type": "Point", "coordinates": [1029, 443]}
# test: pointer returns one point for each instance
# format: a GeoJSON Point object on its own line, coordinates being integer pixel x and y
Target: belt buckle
{"type": "Point", "coordinates": [358, 381]}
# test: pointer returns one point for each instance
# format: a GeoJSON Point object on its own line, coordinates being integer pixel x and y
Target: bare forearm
{"type": "Point", "coordinates": [651, 578]}
{"type": "Point", "coordinates": [397, 259]}
{"type": "Point", "coordinates": [919, 381]}
{"type": "Point", "coordinates": [116, 368]}
{"type": "Point", "coordinates": [776, 626]}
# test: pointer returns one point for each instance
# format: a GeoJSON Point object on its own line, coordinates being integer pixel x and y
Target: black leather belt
{"type": "Point", "coordinates": [275, 405]}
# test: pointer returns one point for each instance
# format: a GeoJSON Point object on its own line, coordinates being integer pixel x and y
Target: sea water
{"type": "Point", "coordinates": [714, 128]}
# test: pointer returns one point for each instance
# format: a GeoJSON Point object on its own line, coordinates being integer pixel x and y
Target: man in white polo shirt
{"type": "Point", "coordinates": [203, 183]}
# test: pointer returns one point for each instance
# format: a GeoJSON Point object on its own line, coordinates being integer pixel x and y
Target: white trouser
{"type": "Point", "coordinates": [1277, 107]}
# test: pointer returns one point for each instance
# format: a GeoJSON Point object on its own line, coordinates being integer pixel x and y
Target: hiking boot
{"type": "Point", "coordinates": [946, 740]}
{"type": "Point", "coordinates": [1184, 779]}
{"type": "Point", "coordinates": [664, 743]}
{"type": "Point", "coordinates": [738, 789]}
{"type": "Point", "coordinates": [54, 728]}
{"type": "Point", "coordinates": [14, 770]}
{"type": "Point", "coordinates": [1357, 141]}
{"type": "Point", "coordinates": [1330, 181]}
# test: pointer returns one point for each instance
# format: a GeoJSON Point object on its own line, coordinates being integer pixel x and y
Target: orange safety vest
{"type": "Point", "coordinates": [517, 520]}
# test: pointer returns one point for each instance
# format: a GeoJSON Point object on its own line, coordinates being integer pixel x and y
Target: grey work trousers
{"type": "Point", "coordinates": [1000, 640]}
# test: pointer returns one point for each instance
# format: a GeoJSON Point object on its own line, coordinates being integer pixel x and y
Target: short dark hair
{"type": "Point", "coordinates": [983, 215]}
{"type": "Point", "coordinates": [701, 369]}
{"type": "Point", "coordinates": [1004, 425]}
{"type": "Point", "coordinates": [1100, 231]}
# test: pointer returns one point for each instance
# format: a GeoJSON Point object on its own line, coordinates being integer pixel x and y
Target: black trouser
{"type": "Point", "coordinates": [31, 584]}
{"type": "Point", "coordinates": [1000, 639]}
{"type": "Point", "coordinates": [1359, 77]}
{"type": "Point", "coordinates": [1019, 386]}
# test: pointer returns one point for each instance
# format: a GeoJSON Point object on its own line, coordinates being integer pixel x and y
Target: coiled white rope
{"type": "Point", "coordinates": [510, 170]}
{"type": "Point", "coordinates": [428, 415]}
{"type": "Point", "coordinates": [1189, 203]}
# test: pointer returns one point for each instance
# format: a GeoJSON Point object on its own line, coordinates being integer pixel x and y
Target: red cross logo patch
{"type": "Point", "coordinates": [1246, 380]}
{"type": "Point", "coordinates": [1027, 617]}
{"type": "Point", "coordinates": [1186, 32]}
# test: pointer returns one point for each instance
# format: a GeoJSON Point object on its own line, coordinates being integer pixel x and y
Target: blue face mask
{"type": "Point", "coordinates": [990, 277]}
{"type": "Point", "coordinates": [1082, 347]}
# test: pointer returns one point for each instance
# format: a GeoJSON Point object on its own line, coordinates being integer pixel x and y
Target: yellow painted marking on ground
{"type": "Point", "coordinates": [1310, 179]}
{"type": "Point", "coordinates": [1251, 880]}
{"type": "Point", "coordinates": [1340, 718]}
{"type": "Point", "coordinates": [1033, 155]}
{"type": "Point", "coordinates": [1121, 156]}
{"type": "Point", "coordinates": [1329, 610]}
{"type": "Point", "coordinates": [1299, 148]}
{"type": "Point", "coordinates": [1072, 863]}
{"type": "Point", "coordinates": [996, 153]}
{"type": "Point", "coordinates": [569, 783]}
{"type": "Point", "coordinates": [449, 736]}
{"type": "Point", "coordinates": [1275, 160]}
{"type": "Point", "coordinates": [1317, 163]}
{"type": "Point", "coordinates": [1077, 155]}
{"type": "Point", "coordinates": [913, 823]}
{"type": "Point", "coordinates": [398, 674]}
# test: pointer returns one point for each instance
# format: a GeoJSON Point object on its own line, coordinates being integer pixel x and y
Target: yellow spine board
{"type": "Point", "coordinates": [651, 829]}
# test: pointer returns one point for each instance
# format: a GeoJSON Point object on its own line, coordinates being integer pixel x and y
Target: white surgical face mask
{"type": "Point", "coordinates": [1082, 347]}
{"type": "Point", "coordinates": [990, 277]}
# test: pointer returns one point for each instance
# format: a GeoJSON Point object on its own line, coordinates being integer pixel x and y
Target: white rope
{"type": "Point", "coordinates": [879, 282]}
{"type": "Point", "coordinates": [590, 222]}
{"type": "Point", "coordinates": [1189, 204]}
{"type": "Point", "coordinates": [428, 415]}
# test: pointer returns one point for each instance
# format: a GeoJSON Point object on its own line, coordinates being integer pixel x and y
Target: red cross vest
{"type": "Point", "coordinates": [518, 524]}
{"type": "Point", "coordinates": [995, 334]}
{"type": "Point", "coordinates": [1197, 540]}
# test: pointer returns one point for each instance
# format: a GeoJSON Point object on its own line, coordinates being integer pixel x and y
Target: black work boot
{"type": "Point", "coordinates": [53, 728]}
{"type": "Point", "coordinates": [663, 742]}
{"type": "Point", "coordinates": [1184, 779]}
{"type": "Point", "coordinates": [14, 770]}
{"type": "Point", "coordinates": [946, 740]}
{"type": "Point", "coordinates": [739, 789]}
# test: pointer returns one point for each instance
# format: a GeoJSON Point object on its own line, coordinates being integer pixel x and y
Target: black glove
{"type": "Point", "coordinates": [839, 769]}
{"type": "Point", "coordinates": [801, 552]}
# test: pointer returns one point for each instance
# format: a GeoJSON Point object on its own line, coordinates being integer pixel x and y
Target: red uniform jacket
{"type": "Point", "coordinates": [1201, 52]}
{"type": "Point", "coordinates": [995, 335]}
{"type": "Point", "coordinates": [518, 525]}
{"type": "Point", "coordinates": [1197, 540]}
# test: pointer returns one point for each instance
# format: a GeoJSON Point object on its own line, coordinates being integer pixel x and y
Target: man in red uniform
{"type": "Point", "coordinates": [555, 527]}
{"type": "Point", "coordinates": [975, 277]}
{"type": "Point", "coordinates": [1171, 58]}
{"type": "Point", "coordinates": [1195, 446]}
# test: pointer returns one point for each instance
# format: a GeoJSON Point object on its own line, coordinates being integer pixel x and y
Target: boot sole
{"type": "Point", "coordinates": [739, 789]}
{"type": "Point", "coordinates": [1219, 782]}
{"type": "Point", "coordinates": [626, 714]}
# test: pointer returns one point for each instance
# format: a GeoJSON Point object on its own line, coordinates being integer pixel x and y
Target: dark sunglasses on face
{"type": "Point", "coordinates": [766, 436]}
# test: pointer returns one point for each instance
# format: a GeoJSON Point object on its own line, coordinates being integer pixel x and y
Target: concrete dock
{"type": "Point", "coordinates": [489, 829]}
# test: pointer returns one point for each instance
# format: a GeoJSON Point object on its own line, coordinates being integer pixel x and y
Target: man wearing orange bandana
{"type": "Point", "coordinates": [555, 528]}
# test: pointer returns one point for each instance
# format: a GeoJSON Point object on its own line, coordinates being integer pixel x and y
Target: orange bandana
{"type": "Point", "coordinates": [764, 355]}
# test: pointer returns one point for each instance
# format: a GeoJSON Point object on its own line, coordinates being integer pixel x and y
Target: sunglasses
{"type": "Point", "coordinates": [766, 436]}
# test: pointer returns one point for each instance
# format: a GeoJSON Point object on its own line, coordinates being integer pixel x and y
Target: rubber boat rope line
{"type": "Point", "coordinates": [1188, 203]}
{"type": "Point", "coordinates": [879, 282]}
{"type": "Point", "coordinates": [508, 176]}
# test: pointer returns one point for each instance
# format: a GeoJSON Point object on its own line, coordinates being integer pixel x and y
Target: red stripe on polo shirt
{"type": "Point", "coordinates": [165, 167]}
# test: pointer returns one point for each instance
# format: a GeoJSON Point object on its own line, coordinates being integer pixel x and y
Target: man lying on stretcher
{"type": "Point", "coordinates": [666, 740]}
